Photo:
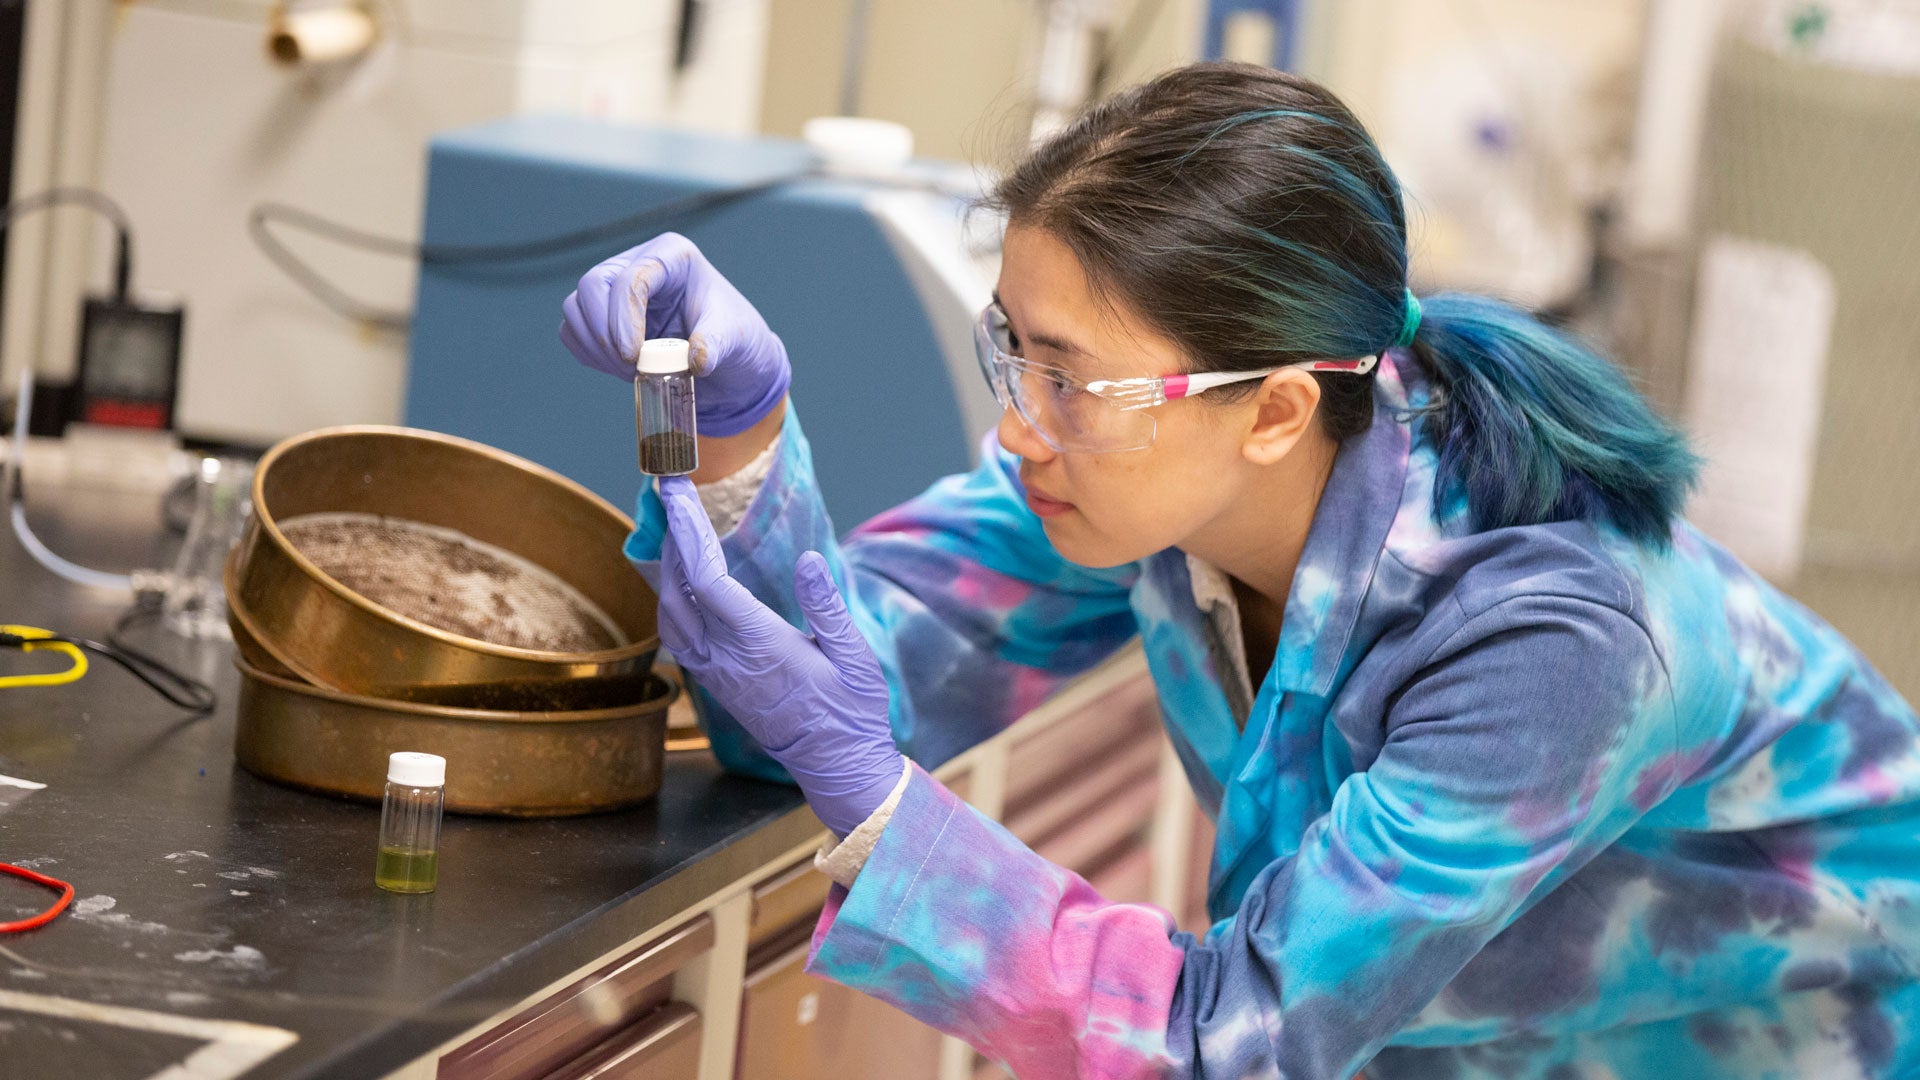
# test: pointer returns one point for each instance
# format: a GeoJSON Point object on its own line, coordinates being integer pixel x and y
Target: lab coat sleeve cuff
{"type": "Point", "coordinates": [726, 499]}
{"type": "Point", "coordinates": [962, 926]}
{"type": "Point", "coordinates": [847, 945]}
{"type": "Point", "coordinates": [842, 861]}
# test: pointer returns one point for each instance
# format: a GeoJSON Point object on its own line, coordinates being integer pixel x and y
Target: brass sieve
{"type": "Point", "coordinates": [415, 566]}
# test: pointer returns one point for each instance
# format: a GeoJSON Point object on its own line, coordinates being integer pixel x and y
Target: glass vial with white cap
{"type": "Point", "coordinates": [409, 860]}
{"type": "Point", "coordinates": [663, 408]}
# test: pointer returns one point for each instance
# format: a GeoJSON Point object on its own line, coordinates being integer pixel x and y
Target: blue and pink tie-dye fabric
{"type": "Point", "coordinates": [1534, 802]}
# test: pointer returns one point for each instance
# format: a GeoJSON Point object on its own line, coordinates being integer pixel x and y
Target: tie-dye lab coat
{"type": "Point", "coordinates": [1534, 802]}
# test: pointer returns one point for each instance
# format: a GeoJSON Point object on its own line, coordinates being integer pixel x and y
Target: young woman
{"type": "Point", "coordinates": [1516, 773]}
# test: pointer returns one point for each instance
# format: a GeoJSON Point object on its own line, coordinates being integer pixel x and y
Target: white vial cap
{"type": "Point", "coordinates": [663, 356]}
{"type": "Point", "coordinates": [417, 770]}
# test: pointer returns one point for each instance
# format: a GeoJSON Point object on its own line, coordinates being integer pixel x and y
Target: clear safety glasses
{"type": "Point", "coordinates": [1100, 416]}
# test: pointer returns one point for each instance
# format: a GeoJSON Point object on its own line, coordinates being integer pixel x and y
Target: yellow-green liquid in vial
{"type": "Point", "coordinates": [406, 870]}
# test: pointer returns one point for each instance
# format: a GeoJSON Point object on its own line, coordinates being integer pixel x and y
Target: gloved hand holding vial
{"type": "Point", "coordinates": [665, 288]}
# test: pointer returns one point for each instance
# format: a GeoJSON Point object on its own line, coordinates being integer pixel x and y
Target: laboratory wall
{"type": "Point", "coordinates": [960, 73]}
{"type": "Point", "coordinates": [1803, 371]}
{"type": "Point", "coordinates": [176, 109]}
{"type": "Point", "coordinates": [1506, 121]}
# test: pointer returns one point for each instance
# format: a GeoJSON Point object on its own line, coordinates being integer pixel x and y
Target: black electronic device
{"type": "Point", "coordinates": [129, 372]}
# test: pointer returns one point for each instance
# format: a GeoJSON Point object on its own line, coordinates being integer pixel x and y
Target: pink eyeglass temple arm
{"type": "Point", "coordinates": [1179, 386]}
{"type": "Point", "coordinates": [1136, 393]}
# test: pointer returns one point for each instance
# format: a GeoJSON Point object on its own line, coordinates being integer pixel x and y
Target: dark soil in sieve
{"type": "Point", "coordinates": [669, 453]}
{"type": "Point", "coordinates": [449, 585]}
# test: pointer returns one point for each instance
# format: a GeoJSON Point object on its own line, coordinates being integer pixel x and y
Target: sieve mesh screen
{"type": "Point", "coordinates": [452, 582]}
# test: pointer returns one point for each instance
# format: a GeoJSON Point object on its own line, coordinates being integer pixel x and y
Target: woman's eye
{"type": "Point", "coordinates": [1064, 387]}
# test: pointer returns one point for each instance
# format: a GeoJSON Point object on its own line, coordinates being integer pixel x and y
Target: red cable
{"type": "Point", "coordinates": [45, 917]}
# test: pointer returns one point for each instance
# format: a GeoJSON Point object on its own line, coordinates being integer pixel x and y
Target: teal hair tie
{"type": "Point", "coordinates": [1411, 325]}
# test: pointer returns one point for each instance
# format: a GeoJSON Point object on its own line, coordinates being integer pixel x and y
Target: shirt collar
{"type": "Point", "coordinates": [1213, 595]}
{"type": "Point", "coordinates": [1345, 542]}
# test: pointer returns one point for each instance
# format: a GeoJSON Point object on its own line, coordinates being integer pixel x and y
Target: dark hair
{"type": "Point", "coordinates": [1246, 214]}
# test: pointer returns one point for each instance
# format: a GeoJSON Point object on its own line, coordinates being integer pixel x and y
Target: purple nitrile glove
{"type": "Point", "coordinates": [817, 704]}
{"type": "Point", "coordinates": [666, 288]}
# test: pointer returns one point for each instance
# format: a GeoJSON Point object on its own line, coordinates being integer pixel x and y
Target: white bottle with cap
{"type": "Point", "coordinates": [663, 409]}
{"type": "Point", "coordinates": [409, 859]}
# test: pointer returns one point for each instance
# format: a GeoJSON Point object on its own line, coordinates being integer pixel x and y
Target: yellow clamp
{"type": "Point", "coordinates": [35, 642]}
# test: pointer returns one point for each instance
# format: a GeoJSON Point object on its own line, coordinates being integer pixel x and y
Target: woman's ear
{"type": "Point", "coordinates": [1283, 410]}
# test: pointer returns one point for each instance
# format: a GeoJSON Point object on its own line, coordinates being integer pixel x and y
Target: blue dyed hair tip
{"type": "Point", "coordinates": [1411, 324]}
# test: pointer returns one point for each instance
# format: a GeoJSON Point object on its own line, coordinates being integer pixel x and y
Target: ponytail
{"type": "Point", "coordinates": [1533, 427]}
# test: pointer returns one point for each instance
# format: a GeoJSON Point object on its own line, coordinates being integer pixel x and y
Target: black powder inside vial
{"type": "Point", "coordinates": [669, 453]}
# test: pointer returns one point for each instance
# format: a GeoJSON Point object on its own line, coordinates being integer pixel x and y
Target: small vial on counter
{"type": "Point", "coordinates": [409, 860]}
{"type": "Point", "coordinates": [663, 408]}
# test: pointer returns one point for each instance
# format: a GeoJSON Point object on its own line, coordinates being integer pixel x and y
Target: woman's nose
{"type": "Point", "coordinates": [1019, 438]}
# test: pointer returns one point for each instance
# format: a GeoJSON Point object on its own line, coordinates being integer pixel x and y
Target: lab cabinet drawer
{"type": "Point", "coordinates": [557, 1030]}
{"type": "Point", "coordinates": [1127, 878]}
{"type": "Point", "coordinates": [794, 1026]}
{"type": "Point", "coordinates": [1199, 865]}
{"type": "Point", "coordinates": [1119, 720]}
{"type": "Point", "coordinates": [988, 1070]}
{"type": "Point", "coordinates": [1118, 818]}
{"type": "Point", "coordinates": [787, 900]}
{"type": "Point", "coordinates": [1037, 817]}
{"type": "Point", "coordinates": [664, 1046]}
{"type": "Point", "coordinates": [960, 783]}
